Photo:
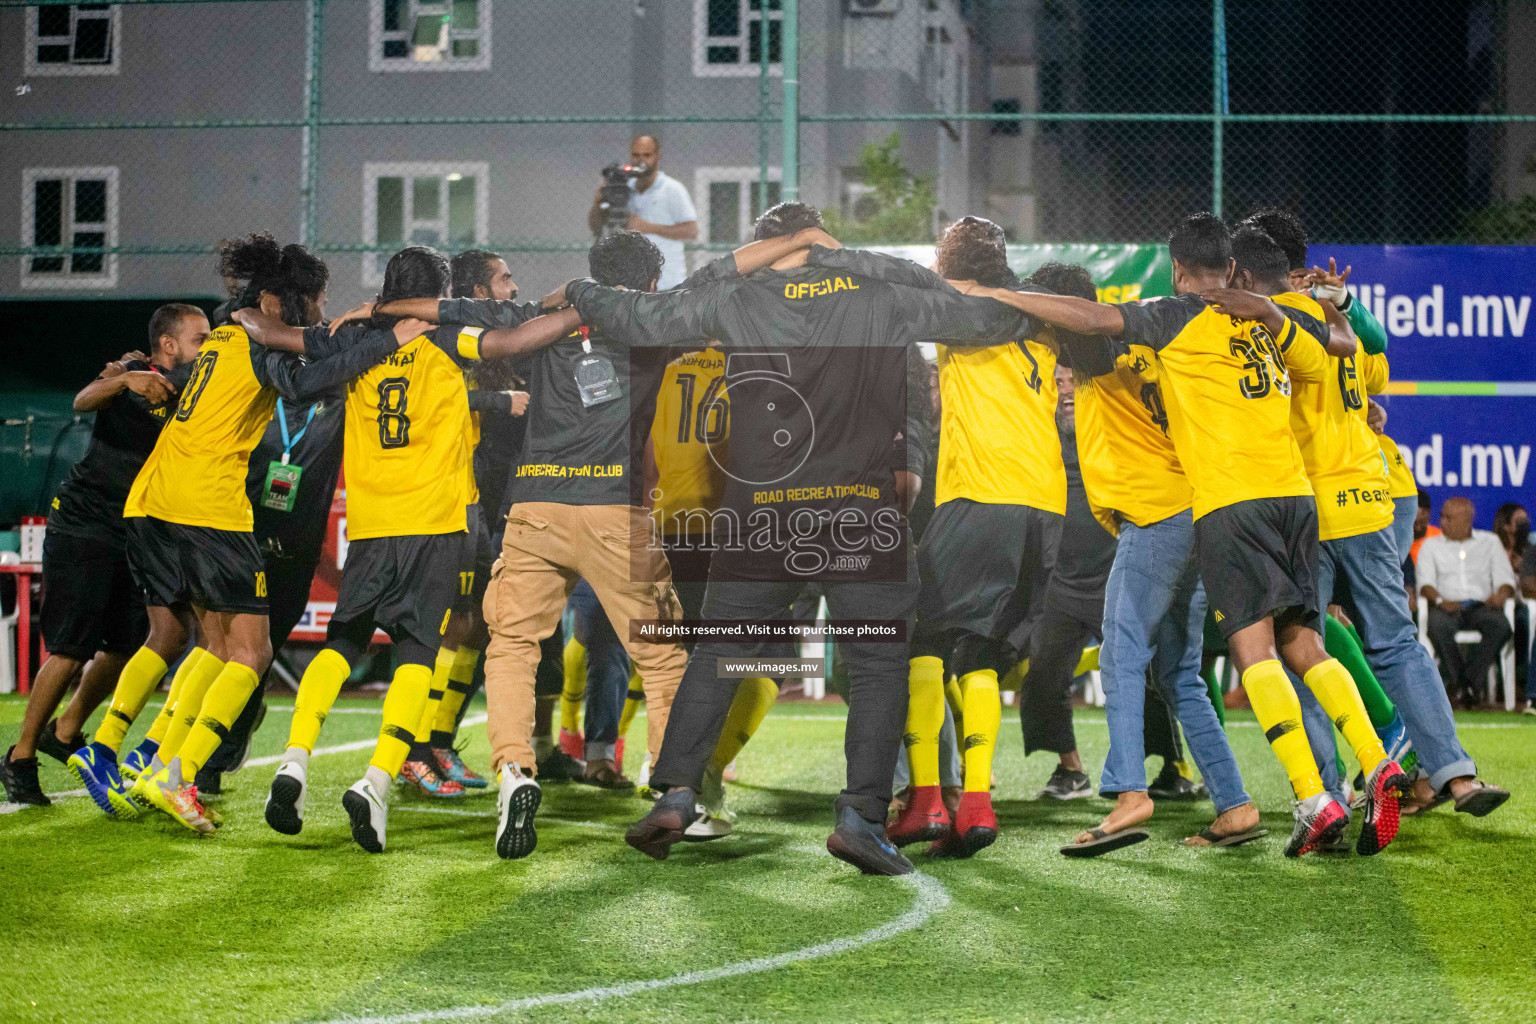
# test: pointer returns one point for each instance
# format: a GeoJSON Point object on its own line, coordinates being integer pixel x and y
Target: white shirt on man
{"type": "Point", "coordinates": [665, 202]}
{"type": "Point", "coordinates": [1464, 570]}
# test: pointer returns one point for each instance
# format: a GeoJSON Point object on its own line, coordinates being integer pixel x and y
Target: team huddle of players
{"type": "Point", "coordinates": [1221, 436]}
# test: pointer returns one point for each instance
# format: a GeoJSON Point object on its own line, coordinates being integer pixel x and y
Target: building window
{"type": "Point", "coordinates": [429, 35]}
{"type": "Point", "coordinates": [69, 207]}
{"type": "Point", "coordinates": [728, 36]}
{"type": "Point", "coordinates": [731, 200]}
{"type": "Point", "coordinates": [441, 205]}
{"type": "Point", "coordinates": [74, 39]}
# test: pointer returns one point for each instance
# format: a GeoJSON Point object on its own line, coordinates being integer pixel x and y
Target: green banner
{"type": "Point", "coordinates": [1122, 273]}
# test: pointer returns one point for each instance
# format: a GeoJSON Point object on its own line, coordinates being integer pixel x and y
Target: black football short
{"type": "Point", "coordinates": [175, 564]}
{"type": "Point", "coordinates": [90, 602]}
{"type": "Point", "coordinates": [1258, 559]}
{"type": "Point", "coordinates": [984, 567]}
{"type": "Point", "coordinates": [402, 585]}
{"type": "Point", "coordinates": [480, 554]}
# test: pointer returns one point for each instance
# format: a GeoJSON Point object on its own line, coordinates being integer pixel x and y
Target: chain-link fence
{"type": "Point", "coordinates": [137, 134]}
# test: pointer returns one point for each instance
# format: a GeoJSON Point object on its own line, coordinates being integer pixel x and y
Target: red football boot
{"type": "Point", "coordinates": [924, 817]}
{"type": "Point", "coordinates": [573, 743]}
{"type": "Point", "coordinates": [975, 825]}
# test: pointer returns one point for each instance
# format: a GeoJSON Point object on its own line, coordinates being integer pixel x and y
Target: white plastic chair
{"type": "Point", "coordinates": [8, 630]}
{"type": "Point", "coordinates": [1505, 664]}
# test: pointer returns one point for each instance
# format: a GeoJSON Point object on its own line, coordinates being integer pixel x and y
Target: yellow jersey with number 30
{"type": "Point", "coordinates": [688, 438]}
{"type": "Point", "coordinates": [196, 474]}
{"type": "Point", "coordinates": [997, 430]}
{"type": "Point", "coordinates": [1226, 384]}
{"type": "Point", "coordinates": [408, 440]}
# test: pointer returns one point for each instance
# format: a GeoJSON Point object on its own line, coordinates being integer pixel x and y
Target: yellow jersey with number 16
{"type": "Point", "coordinates": [196, 474]}
{"type": "Point", "coordinates": [689, 437]}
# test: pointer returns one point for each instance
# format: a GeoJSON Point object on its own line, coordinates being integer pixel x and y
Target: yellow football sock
{"type": "Point", "coordinates": [440, 669]}
{"type": "Point", "coordinates": [575, 691]}
{"type": "Point", "coordinates": [754, 697]}
{"type": "Point", "coordinates": [134, 685]}
{"type": "Point", "coordinates": [632, 701]}
{"type": "Point", "coordinates": [983, 718]}
{"type": "Point", "coordinates": [402, 710]}
{"type": "Point", "coordinates": [1089, 662]}
{"type": "Point", "coordinates": [956, 701]}
{"type": "Point", "coordinates": [318, 690]}
{"type": "Point", "coordinates": [461, 680]}
{"type": "Point", "coordinates": [1014, 680]}
{"type": "Point", "coordinates": [194, 690]}
{"type": "Point", "coordinates": [1334, 688]}
{"type": "Point", "coordinates": [925, 718]}
{"type": "Point", "coordinates": [222, 704]}
{"type": "Point", "coordinates": [1279, 713]}
{"type": "Point", "coordinates": [167, 714]}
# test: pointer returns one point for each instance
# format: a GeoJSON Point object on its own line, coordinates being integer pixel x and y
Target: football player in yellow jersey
{"type": "Point", "coordinates": [1225, 359]}
{"type": "Point", "coordinates": [1153, 606]}
{"type": "Point", "coordinates": [191, 546]}
{"type": "Point", "coordinates": [986, 555]}
{"type": "Point", "coordinates": [1359, 566]}
{"type": "Point", "coordinates": [407, 470]}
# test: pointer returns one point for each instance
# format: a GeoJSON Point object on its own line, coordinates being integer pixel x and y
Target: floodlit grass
{"type": "Point", "coordinates": [143, 921]}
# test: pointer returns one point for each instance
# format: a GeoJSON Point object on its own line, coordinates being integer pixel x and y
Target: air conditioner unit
{"type": "Point", "coordinates": [867, 8]}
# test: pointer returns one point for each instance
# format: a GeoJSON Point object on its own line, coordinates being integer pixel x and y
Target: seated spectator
{"type": "Point", "coordinates": [1421, 526]}
{"type": "Point", "coordinates": [1513, 527]}
{"type": "Point", "coordinates": [1466, 577]}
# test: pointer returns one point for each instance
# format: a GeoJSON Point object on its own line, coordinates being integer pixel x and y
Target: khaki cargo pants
{"type": "Point", "coordinates": [546, 549]}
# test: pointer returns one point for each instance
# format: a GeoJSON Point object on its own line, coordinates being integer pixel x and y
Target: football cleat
{"type": "Point", "coordinates": [95, 766]}
{"type": "Point", "coordinates": [1320, 820]}
{"type": "Point", "coordinates": [975, 825]}
{"type": "Point", "coordinates": [924, 818]}
{"type": "Point", "coordinates": [425, 777]}
{"type": "Point", "coordinates": [451, 766]}
{"type": "Point", "coordinates": [864, 845]}
{"type": "Point", "coordinates": [285, 801]}
{"type": "Point", "coordinates": [167, 791]}
{"type": "Point", "coordinates": [368, 814]}
{"type": "Point", "coordinates": [1383, 789]}
{"type": "Point", "coordinates": [139, 760]}
{"type": "Point", "coordinates": [516, 802]}
{"type": "Point", "coordinates": [20, 780]}
{"type": "Point", "coordinates": [573, 743]}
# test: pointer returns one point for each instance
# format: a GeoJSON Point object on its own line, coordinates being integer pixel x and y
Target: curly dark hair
{"type": "Point", "coordinates": [1066, 279]}
{"type": "Point", "coordinates": [975, 249]}
{"type": "Point", "coordinates": [625, 258]}
{"type": "Point", "coordinates": [291, 272]}
{"type": "Point", "coordinates": [1262, 257]}
{"type": "Point", "coordinates": [785, 219]}
{"type": "Point", "coordinates": [1284, 227]}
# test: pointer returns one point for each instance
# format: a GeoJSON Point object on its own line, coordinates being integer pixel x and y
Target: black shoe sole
{"type": "Point", "coordinates": [927, 834]}
{"type": "Point", "coordinates": [654, 834]}
{"type": "Point", "coordinates": [18, 794]}
{"type": "Point", "coordinates": [519, 841]}
{"type": "Point", "coordinates": [976, 839]}
{"type": "Point", "coordinates": [280, 812]}
{"type": "Point", "coordinates": [868, 862]}
{"type": "Point", "coordinates": [356, 806]}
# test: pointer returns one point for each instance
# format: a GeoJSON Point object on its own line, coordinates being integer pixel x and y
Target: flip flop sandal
{"type": "Point", "coordinates": [1483, 799]}
{"type": "Point", "coordinates": [1410, 809]}
{"type": "Point", "coordinates": [1103, 842]}
{"type": "Point", "coordinates": [1214, 838]}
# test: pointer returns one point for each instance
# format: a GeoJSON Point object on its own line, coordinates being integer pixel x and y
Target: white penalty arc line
{"type": "Point", "coordinates": [255, 762]}
{"type": "Point", "coordinates": [931, 898]}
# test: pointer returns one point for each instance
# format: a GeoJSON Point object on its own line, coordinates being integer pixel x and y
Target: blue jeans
{"type": "Point", "coordinates": [1154, 615]}
{"type": "Point", "coordinates": [1368, 566]}
{"type": "Point", "coordinates": [1404, 512]}
{"type": "Point", "coordinates": [607, 672]}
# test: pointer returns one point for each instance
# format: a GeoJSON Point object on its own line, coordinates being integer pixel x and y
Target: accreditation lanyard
{"type": "Point", "coordinates": [595, 377]}
{"type": "Point", "coordinates": [282, 485]}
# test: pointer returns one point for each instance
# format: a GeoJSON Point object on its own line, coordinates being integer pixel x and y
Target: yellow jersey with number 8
{"type": "Point", "coordinates": [408, 441]}
{"type": "Point", "coordinates": [196, 474]}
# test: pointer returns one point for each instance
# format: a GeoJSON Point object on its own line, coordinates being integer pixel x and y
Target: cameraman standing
{"type": "Point", "coordinates": [659, 208]}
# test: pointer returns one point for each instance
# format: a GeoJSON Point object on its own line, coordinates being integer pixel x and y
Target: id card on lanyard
{"type": "Point", "coordinates": [595, 377]}
{"type": "Point", "coordinates": [282, 486]}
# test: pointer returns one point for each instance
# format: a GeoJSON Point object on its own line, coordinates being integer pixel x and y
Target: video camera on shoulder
{"type": "Point", "coordinates": [615, 194]}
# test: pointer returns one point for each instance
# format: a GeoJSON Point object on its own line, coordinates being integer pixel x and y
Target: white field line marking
{"type": "Point", "coordinates": [491, 814]}
{"type": "Point", "coordinates": [931, 898]}
{"type": "Point", "coordinates": [257, 762]}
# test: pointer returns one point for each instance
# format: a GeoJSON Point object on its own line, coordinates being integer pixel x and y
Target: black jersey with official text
{"type": "Point", "coordinates": [90, 500]}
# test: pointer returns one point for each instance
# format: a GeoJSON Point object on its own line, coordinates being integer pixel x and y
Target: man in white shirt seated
{"type": "Point", "coordinates": [659, 208]}
{"type": "Point", "coordinates": [1466, 577]}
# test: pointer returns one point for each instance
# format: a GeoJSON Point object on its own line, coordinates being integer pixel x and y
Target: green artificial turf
{"type": "Point", "coordinates": [143, 921]}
